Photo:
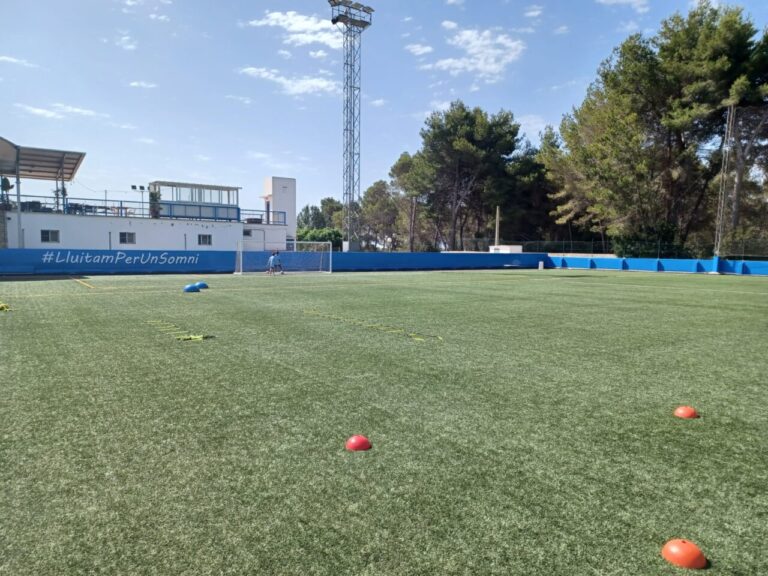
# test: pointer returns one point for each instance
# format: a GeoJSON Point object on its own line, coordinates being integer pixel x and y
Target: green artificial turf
{"type": "Point", "coordinates": [521, 424]}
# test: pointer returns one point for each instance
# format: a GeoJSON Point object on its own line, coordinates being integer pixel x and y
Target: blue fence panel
{"type": "Point", "coordinates": [730, 266]}
{"type": "Point", "coordinates": [33, 261]}
{"type": "Point", "coordinates": [575, 262]}
{"type": "Point", "coordinates": [755, 267]}
{"type": "Point", "coordinates": [373, 261]}
{"type": "Point", "coordinates": [644, 264]}
{"type": "Point", "coordinates": [608, 263]}
{"type": "Point", "coordinates": [677, 265]}
{"type": "Point", "coordinates": [57, 261]}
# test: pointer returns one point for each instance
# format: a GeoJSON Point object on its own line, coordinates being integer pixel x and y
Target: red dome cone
{"type": "Point", "coordinates": [686, 412]}
{"type": "Point", "coordinates": [684, 554]}
{"type": "Point", "coordinates": [358, 442]}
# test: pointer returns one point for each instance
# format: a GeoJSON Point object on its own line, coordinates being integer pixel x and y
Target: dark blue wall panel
{"type": "Point", "coordinates": [56, 261]}
{"type": "Point", "coordinates": [30, 261]}
{"type": "Point", "coordinates": [373, 261]}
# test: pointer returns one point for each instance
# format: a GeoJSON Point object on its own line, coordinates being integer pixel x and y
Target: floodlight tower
{"type": "Point", "coordinates": [354, 19]}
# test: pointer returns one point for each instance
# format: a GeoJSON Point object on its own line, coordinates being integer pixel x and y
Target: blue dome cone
{"type": "Point", "coordinates": [191, 288]}
{"type": "Point", "coordinates": [201, 285]}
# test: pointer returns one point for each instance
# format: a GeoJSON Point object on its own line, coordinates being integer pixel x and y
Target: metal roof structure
{"type": "Point", "coordinates": [38, 163]}
{"type": "Point", "coordinates": [162, 183]}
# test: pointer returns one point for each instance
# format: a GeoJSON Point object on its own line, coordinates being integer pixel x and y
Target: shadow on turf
{"type": "Point", "coordinates": [35, 278]}
{"type": "Point", "coordinates": [575, 276]}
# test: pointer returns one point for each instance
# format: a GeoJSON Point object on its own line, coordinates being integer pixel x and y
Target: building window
{"type": "Point", "coordinates": [204, 240]}
{"type": "Point", "coordinates": [127, 237]}
{"type": "Point", "coordinates": [247, 233]}
{"type": "Point", "coordinates": [49, 236]}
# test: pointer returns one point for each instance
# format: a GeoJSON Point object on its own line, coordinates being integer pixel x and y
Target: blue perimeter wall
{"type": "Point", "coordinates": [55, 261]}
{"type": "Point", "coordinates": [745, 267]}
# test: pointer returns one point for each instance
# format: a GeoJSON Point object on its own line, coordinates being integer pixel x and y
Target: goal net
{"type": "Point", "coordinates": [252, 256]}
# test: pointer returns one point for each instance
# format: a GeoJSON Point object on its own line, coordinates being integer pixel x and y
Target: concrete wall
{"type": "Point", "coordinates": [265, 237]}
{"type": "Point", "coordinates": [103, 232]}
{"type": "Point", "coordinates": [281, 194]}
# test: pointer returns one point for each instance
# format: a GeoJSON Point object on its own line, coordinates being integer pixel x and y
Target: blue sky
{"type": "Point", "coordinates": [235, 91]}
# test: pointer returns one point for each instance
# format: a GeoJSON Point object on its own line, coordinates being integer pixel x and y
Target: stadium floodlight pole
{"type": "Point", "coordinates": [354, 19]}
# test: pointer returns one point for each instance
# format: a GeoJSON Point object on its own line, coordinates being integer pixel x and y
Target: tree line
{"type": "Point", "coordinates": [641, 162]}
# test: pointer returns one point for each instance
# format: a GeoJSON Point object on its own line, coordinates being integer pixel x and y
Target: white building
{"type": "Point", "coordinates": [186, 216]}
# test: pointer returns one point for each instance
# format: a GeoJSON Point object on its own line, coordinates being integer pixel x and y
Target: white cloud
{"type": "Point", "coordinates": [561, 30]}
{"type": "Point", "coordinates": [533, 11]}
{"type": "Point", "coordinates": [74, 110]}
{"type": "Point", "coordinates": [531, 125]}
{"type": "Point", "coordinates": [123, 126]}
{"type": "Point", "coordinates": [285, 54]}
{"type": "Point", "coordinates": [18, 61]}
{"type": "Point", "coordinates": [126, 42]}
{"type": "Point", "coordinates": [60, 111]}
{"type": "Point", "coordinates": [242, 99]}
{"type": "Point", "coordinates": [418, 49]}
{"type": "Point", "coordinates": [42, 112]}
{"type": "Point", "coordinates": [628, 27]}
{"type": "Point", "coordinates": [454, 2]}
{"type": "Point", "coordinates": [407, 19]}
{"type": "Point", "coordinates": [295, 86]}
{"type": "Point", "coordinates": [148, 141]}
{"type": "Point", "coordinates": [564, 85]}
{"type": "Point", "coordinates": [449, 25]}
{"type": "Point", "coordinates": [270, 162]}
{"type": "Point", "coordinates": [440, 105]}
{"type": "Point", "coordinates": [486, 54]}
{"type": "Point", "coordinates": [525, 30]}
{"type": "Point", "coordinates": [639, 6]}
{"type": "Point", "coordinates": [318, 54]}
{"type": "Point", "coordinates": [301, 30]}
{"type": "Point", "coordinates": [378, 102]}
{"type": "Point", "coordinates": [142, 84]}
{"type": "Point", "coordinates": [133, 2]}
{"type": "Point", "coordinates": [159, 17]}
{"type": "Point", "coordinates": [202, 158]}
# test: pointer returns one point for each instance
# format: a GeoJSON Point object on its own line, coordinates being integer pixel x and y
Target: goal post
{"type": "Point", "coordinates": [252, 256]}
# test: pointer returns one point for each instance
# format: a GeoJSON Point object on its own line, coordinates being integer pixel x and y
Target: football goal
{"type": "Point", "coordinates": [252, 256]}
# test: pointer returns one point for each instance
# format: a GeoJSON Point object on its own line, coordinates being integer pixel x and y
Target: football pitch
{"type": "Point", "coordinates": [521, 424]}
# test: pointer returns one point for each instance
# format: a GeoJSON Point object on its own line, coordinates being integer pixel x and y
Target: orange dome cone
{"type": "Point", "coordinates": [686, 412]}
{"type": "Point", "coordinates": [684, 554]}
{"type": "Point", "coordinates": [358, 442]}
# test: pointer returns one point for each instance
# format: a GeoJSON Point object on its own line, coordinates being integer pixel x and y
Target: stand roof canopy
{"type": "Point", "coordinates": [38, 163]}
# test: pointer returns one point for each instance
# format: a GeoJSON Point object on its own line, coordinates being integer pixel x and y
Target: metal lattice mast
{"type": "Point", "coordinates": [354, 19]}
